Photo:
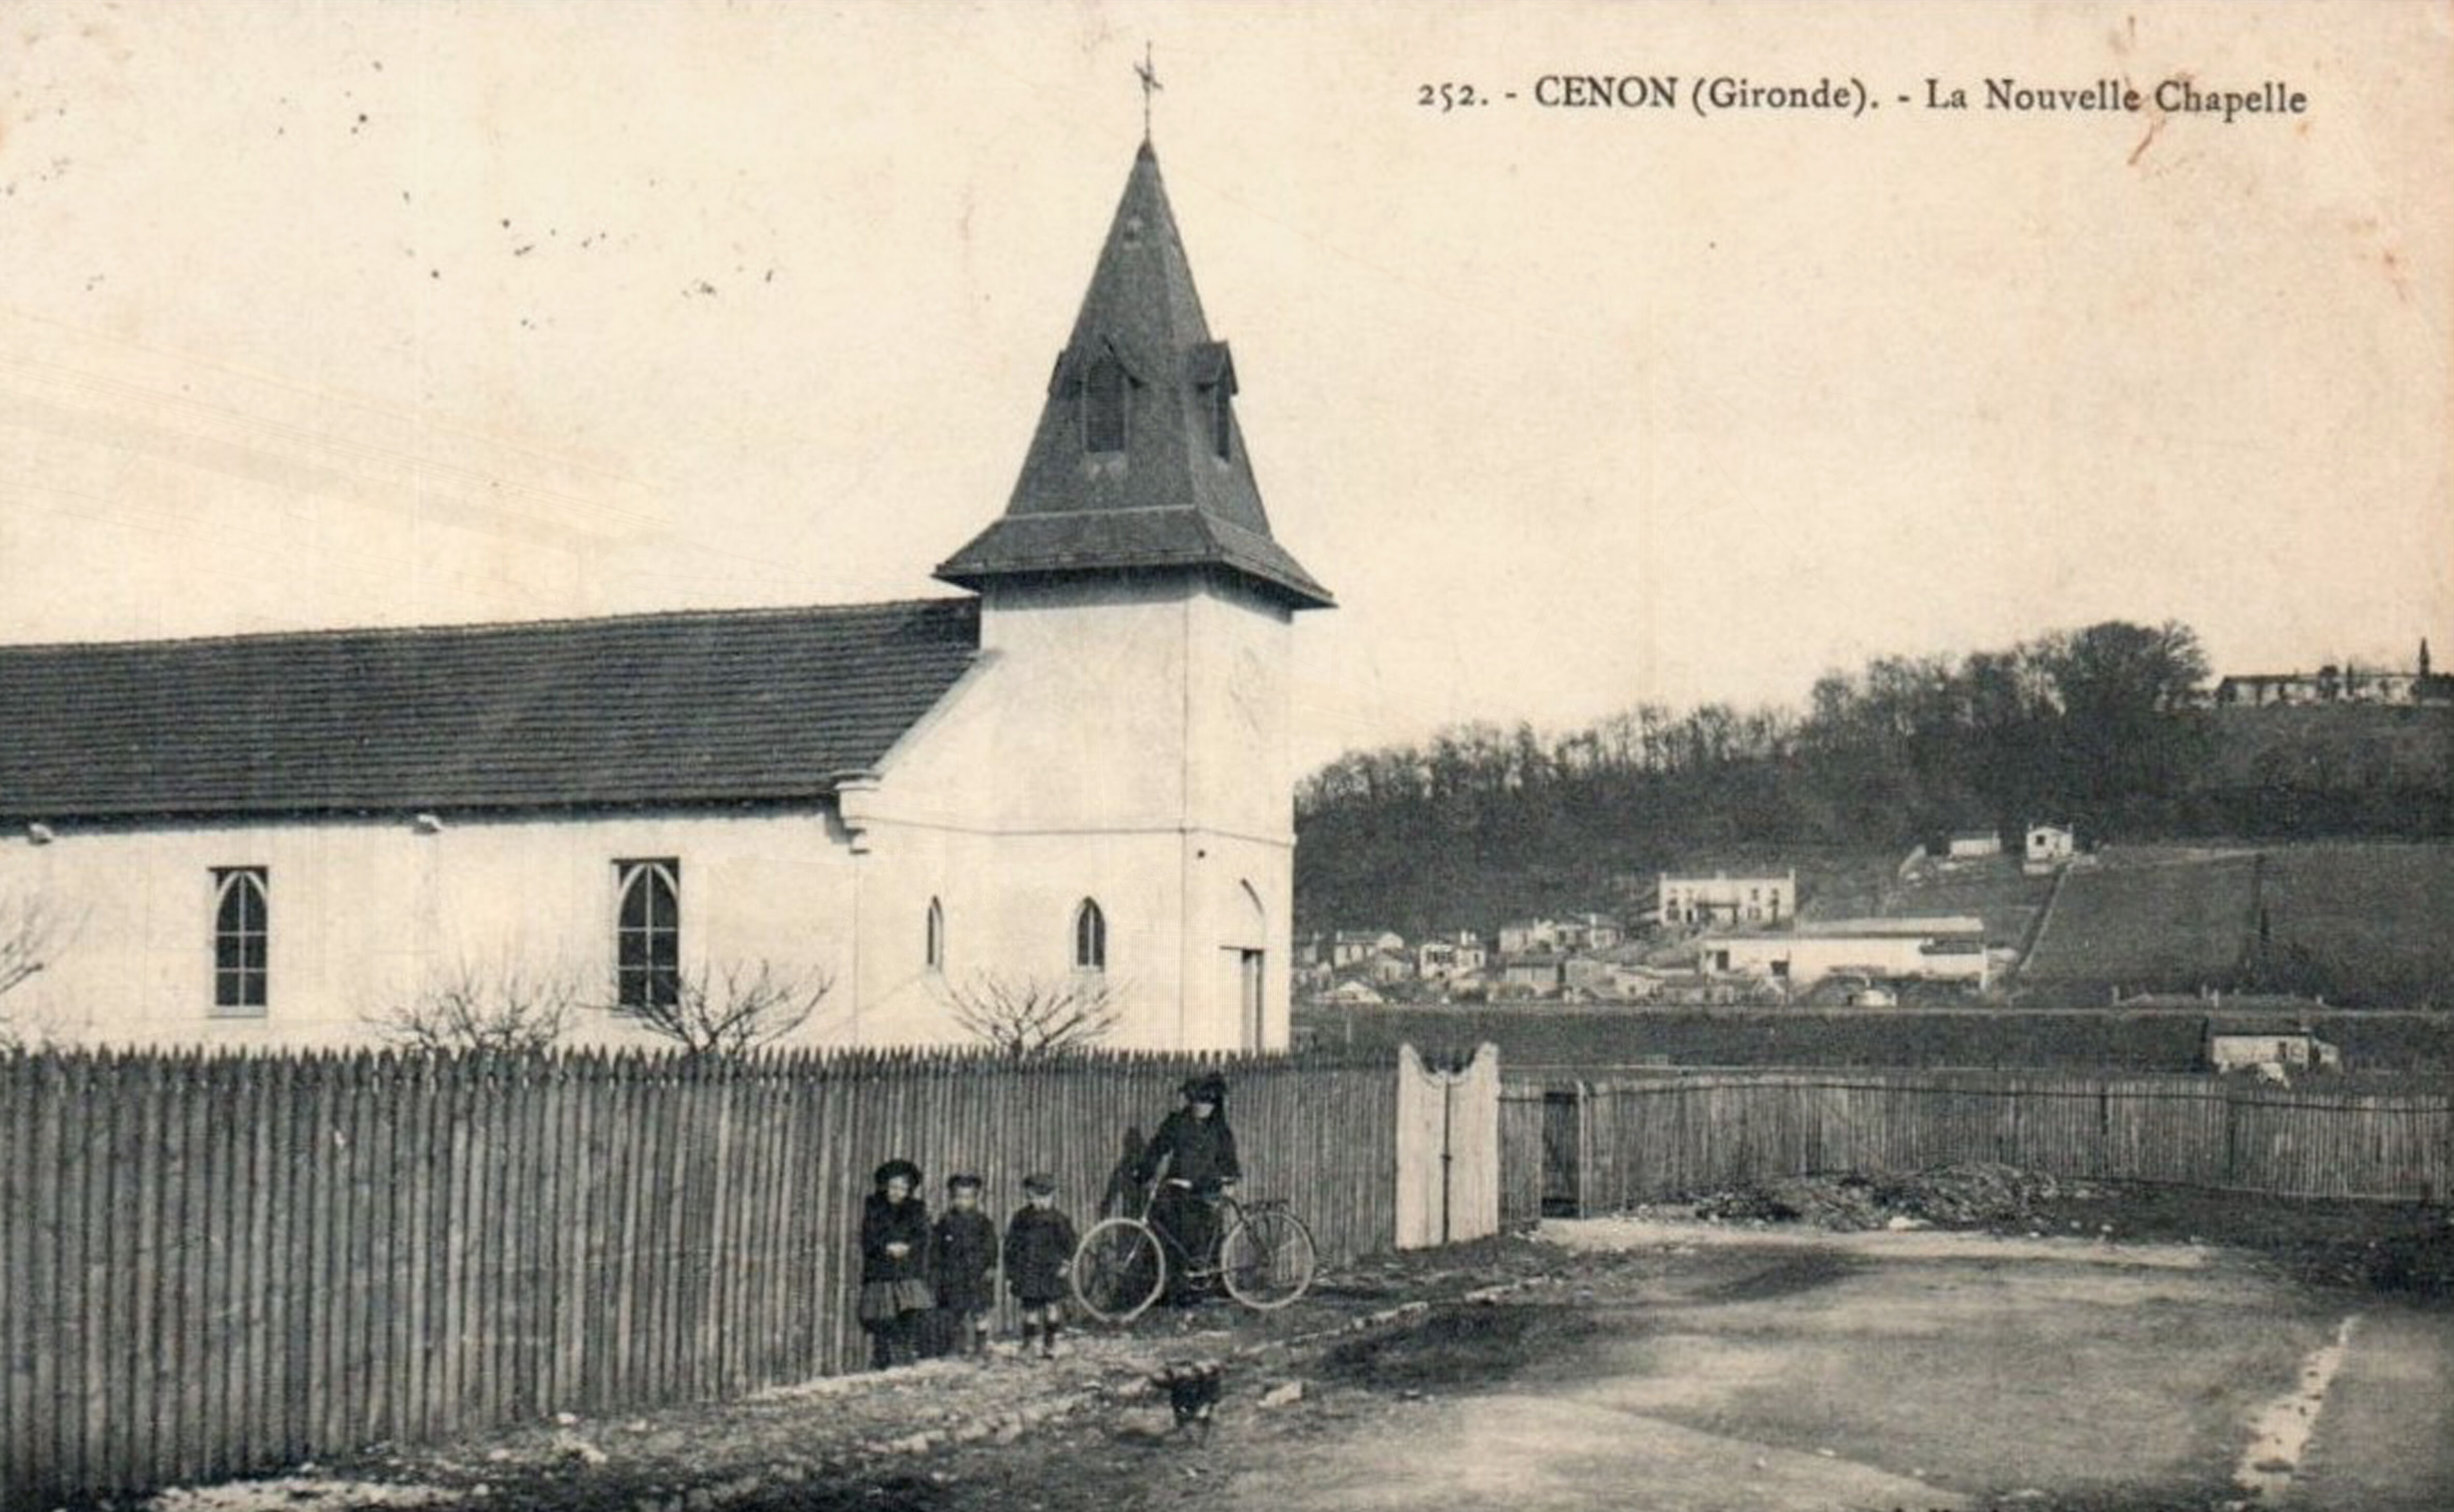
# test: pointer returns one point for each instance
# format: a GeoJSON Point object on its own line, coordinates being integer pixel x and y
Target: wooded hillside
{"type": "Point", "coordinates": [2099, 726]}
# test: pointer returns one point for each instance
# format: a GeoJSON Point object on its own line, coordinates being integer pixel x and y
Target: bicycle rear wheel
{"type": "Point", "coordinates": [1267, 1258]}
{"type": "Point", "coordinates": [1118, 1270]}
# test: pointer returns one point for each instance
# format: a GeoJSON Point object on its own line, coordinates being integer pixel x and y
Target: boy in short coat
{"type": "Point", "coordinates": [1039, 1252]}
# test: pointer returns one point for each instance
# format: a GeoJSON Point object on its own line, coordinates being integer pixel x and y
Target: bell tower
{"type": "Point", "coordinates": [1138, 465]}
{"type": "Point", "coordinates": [1137, 613]}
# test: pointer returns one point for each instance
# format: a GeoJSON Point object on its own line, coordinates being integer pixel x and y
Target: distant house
{"type": "Point", "coordinates": [1522, 936]}
{"type": "Point", "coordinates": [1721, 898]}
{"type": "Point", "coordinates": [1446, 958]}
{"type": "Point", "coordinates": [1944, 949]}
{"type": "Point", "coordinates": [1697, 990]}
{"type": "Point", "coordinates": [1539, 971]}
{"type": "Point", "coordinates": [2348, 683]}
{"type": "Point", "coordinates": [1390, 967]}
{"type": "Point", "coordinates": [1353, 993]}
{"type": "Point", "coordinates": [2049, 846]}
{"type": "Point", "coordinates": [2245, 1044]}
{"type": "Point", "coordinates": [1607, 980]}
{"type": "Point", "coordinates": [1964, 845]}
{"type": "Point", "coordinates": [1353, 947]}
{"type": "Point", "coordinates": [1582, 931]}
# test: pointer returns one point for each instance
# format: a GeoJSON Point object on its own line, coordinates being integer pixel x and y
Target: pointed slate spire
{"type": "Point", "coordinates": [1137, 463]}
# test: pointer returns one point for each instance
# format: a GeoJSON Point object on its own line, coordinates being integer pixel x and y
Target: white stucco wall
{"type": "Point", "coordinates": [1134, 739]}
{"type": "Point", "coordinates": [364, 911]}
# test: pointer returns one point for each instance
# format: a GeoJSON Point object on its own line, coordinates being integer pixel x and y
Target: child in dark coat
{"type": "Point", "coordinates": [1039, 1252]}
{"type": "Point", "coordinates": [962, 1257]}
{"type": "Point", "coordinates": [894, 1293]}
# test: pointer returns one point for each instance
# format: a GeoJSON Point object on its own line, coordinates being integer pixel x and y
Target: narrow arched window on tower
{"type": "Point", "coordinates": [1090, 937]}
{"type": "Point", "coordinates": [935, 950]}
{"type": "Point", "coordinates": [1103, 406]}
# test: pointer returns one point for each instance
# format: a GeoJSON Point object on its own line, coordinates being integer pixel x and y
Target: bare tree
{"type": "Point", "coordinates": [32, 937]}
{"type": "Point", "coordinates": [497, 1007]}
{"type": "Point", "coordinates": [735, 1009]}
{"type": "Point", "coordinates": [1029, 1016]}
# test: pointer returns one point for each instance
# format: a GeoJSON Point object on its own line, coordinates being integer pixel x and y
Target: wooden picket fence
{"type": "Point", "coordinates": [1642, 1139]}
{"type": "Point", "coordinates": [215, 1264]}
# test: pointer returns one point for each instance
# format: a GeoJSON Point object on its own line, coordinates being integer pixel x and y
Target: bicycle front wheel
{"type": "Point", "coordinates": [1267, 1260]}
{"type": "Point", "coordinates": [1118, 1270]}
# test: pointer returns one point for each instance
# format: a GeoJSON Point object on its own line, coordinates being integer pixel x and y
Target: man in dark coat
{"type": "Point", "coordinates": [1194, 1154]}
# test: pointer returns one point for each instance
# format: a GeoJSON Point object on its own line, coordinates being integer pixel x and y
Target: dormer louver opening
{"type": "Point", "coordinates": [1214, 379]}
{"type": "Point", "coordinates": [1105, 398]}
{"type": "Point", "coordinates": [1223, 423]}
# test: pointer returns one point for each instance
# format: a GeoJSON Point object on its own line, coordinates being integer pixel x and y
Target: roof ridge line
{"type": "Point", "coordinates": [478, 626]}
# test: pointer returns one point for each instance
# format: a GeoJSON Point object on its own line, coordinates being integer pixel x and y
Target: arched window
{"type": "Point", "coordinates": [1090, 937]}
{"type": "Point", "coordinates": [647, 935]}
{"type": "Point", "coordinates": [1103, 406]}
{"type": "Point", "coordinates": [934, 949]}
{"type": "Point", "coordinates": [242, 938]}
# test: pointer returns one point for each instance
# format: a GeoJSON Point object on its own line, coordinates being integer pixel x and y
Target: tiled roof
{"type": "Point", "coordinates": [2236, 1028]}
{"type": "Point", "coordinates": [755, 704]}
{"type": "Point", "coordinates": [1168, 499]}
{"type": "Point", "coordinates": [1895, 926]}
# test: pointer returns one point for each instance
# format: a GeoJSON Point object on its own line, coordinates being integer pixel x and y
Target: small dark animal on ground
{"type": "Point", "coordinates": [1193, 1387]}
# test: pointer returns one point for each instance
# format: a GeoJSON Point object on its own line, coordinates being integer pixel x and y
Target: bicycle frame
{"type": "Point", "coordinates": [1226, 1209]}
{"type": "Point", "coordinates": [1281, 1236]}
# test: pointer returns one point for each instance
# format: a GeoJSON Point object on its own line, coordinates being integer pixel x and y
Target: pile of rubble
{"type": "Point", "coordinates": [1973, 1196]}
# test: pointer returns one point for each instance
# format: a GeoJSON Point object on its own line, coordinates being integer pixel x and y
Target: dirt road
{"type": "Point", "coordinates": [1629, 1364]}
{"type": "Point", "coordinates": [1888, 1370]}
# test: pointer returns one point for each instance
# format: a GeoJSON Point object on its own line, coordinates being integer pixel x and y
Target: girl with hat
{"type": "Point", "coordinates": [894, 1294]}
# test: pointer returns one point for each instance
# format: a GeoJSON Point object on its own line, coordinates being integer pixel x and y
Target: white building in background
{"type": "Point", "coordinates": [1721, 898]}
{"type": "Point", "coordinates": [2049, 846]}
{"type": "Point", "coordinates": [1078, 769]}
{"type": "Point", "coordinates": [2245, 1044]}
{"type": "Point", "coordinates": [1358, 947]}
{"type": "Point", "coordinates": [1944, 949]}
{"type": "Point", "coordinates": [1447, 958]}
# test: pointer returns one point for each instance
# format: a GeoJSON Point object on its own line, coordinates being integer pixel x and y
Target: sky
{"type": "Point", "coordinates": [343, 314]}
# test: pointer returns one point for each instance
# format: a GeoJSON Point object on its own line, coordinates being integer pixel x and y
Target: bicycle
{"type": "Point", "coordinates": [1263, 1255]}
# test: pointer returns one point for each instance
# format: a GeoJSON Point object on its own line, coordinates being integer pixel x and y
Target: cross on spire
{"type": "Point", "coordinates": [1149, 76]}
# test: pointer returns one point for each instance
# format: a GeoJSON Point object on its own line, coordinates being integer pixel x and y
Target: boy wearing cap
{"type": "Point", "coordinates": [1039, 1252]}
{"type": "Point", "coordinates": [1196, 1150]}
{"type": "Point", "coordinates": [962, 1253]}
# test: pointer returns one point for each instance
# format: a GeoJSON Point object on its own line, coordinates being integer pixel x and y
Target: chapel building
{"type": "Point", "coordinates": [1077, 770]}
